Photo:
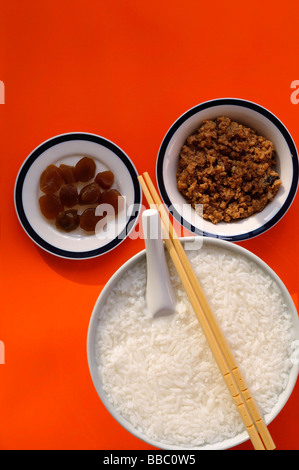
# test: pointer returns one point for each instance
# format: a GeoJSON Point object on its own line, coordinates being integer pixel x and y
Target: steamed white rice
{"type": "Point", "coordinates": [160, 374]}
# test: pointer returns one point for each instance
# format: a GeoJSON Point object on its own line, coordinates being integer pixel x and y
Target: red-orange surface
{"type": "Point", "coordinates": [124, 70]}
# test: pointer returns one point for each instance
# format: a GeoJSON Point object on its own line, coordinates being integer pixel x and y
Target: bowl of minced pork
{"type": "Point", "coordinates": [228, 168]}
{"type": "Point", "coordinates": [157, 376]}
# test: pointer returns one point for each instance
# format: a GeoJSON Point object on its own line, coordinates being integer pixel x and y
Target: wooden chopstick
{"type": "Point", "coordinates": [250, 402]}
{"type": "Point", "coordinates": [252, 419]}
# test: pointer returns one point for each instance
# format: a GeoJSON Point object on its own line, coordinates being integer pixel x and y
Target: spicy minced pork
{"type": "Point", "coordinates": [228, 169]}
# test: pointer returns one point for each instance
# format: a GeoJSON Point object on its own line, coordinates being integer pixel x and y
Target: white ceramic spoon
{"type": "Point", "coordinates": [159, 292]}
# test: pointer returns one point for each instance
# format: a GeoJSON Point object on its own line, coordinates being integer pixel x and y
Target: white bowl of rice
{"type": "Point", "coordinates": [157, 376]}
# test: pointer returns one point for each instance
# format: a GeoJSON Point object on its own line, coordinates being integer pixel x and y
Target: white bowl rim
{"type": "Point", "coordinates": [36, 153]}
{"type": "Point", "coordinates": [235, 102]}
{"type": "Point", "coordinates": [91, 359]}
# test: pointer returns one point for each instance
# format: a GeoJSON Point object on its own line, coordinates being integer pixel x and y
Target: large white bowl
{"type": "Point", "coordinates": [251, 115]}
{"type": "Point", "coordinates": [96, 316]}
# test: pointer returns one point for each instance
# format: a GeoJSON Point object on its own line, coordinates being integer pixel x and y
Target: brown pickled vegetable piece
{"type": "Point", "coordinates": [68, 220]}
{"type": "Point", "coordinates": [89, 220]}
{"type": "Point", "coordinates": [85, 169]}
{"type": "Point", "coordinates": [50, 205]}
{"type": "Point", "coordinates": [68, 173]}
{"type": "Point", "coordinates": [51, 180]}
{"type": "Point", "coordinates": [105, 179]}
{"type": "Point", "coordinates": [90, 194]}
{"type": "Point", "coordinates": [69, 195]}
{"type": "Point", "coordinates": [114, 198]}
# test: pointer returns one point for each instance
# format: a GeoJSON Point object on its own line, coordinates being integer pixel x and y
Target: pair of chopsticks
{"type": "Point", "coordinates": [249, 412]}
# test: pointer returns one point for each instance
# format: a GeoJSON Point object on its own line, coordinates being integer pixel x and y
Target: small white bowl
{"type": "Point", "coordinates": [235, 250]}
{"type": "Point", "coordinates": [68, 149]}
{"type": "Point", "coordinates": [251, 115]}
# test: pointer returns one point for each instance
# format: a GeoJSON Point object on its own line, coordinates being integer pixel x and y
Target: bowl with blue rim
{"type": "Point", "coordinates": [249, 115]}
{"type": "Point", "coordinates": [68, 149]}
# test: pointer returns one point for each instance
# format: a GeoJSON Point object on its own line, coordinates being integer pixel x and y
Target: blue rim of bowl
{"type": "Point", "coordinates": [18, 195]}
{"type": "Point", "coordinates": [236, 102]}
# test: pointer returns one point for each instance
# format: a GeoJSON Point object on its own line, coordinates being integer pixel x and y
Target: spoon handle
{"type": "Point", "coordinates": [159, 292]}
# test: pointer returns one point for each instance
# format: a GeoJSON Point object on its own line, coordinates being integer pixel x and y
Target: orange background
{"type": "Point", "coordinates": [124, 70]}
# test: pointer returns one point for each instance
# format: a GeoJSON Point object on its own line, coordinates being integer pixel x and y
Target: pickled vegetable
{"type": "Point", "coordinates": [90, 194]}
{"type": "Point", "coordinates": [50, 205]}
{"type": "Point", "coordinates": [105, 179]}
{"type": "Point", "coordinates": [69, 195]}
{"type": "Point", "coordinates": [114, 198]}
{"type": "Point", "coordinates": [85, 169]}
{"type": "Point", "coordinates": [68, 173]}
{"type": "Point", "coordinates": [51, 180]}
{"type": "Point", "coordinates": [89, 219]}
{"type": "Point", "coordinates": [61, 186]}
{"type": "Point", "coordinates": [68, 220]}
